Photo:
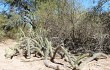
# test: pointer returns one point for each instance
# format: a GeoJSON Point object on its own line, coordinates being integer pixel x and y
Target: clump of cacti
{"type": "Point", "coordinates": [40, 46]}
{"type": "Point", "coordinates": [76, 62]}
{"type": "Point", "coordinates": [31, 44]}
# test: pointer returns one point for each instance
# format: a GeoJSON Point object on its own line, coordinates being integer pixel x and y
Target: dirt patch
{"type": "Point", "coordinates": [17, 64]}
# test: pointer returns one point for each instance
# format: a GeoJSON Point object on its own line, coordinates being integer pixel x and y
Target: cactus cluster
{"type": "Point", "coordinates": [37, 45]}
{"type": "Point", "coordinates": [31, 44]}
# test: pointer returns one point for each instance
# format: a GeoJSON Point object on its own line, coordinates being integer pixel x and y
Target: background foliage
{"type": "Point", "coordinates": [61, 20]}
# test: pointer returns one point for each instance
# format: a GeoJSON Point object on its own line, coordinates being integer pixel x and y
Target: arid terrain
{"type": "Point", "coordinates": [17, 64]}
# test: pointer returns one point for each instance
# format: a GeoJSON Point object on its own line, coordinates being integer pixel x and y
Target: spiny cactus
{"type": "Point", "coordinates": [10, 52]}
{"type": "Point", "coordinates": [41, 46]}
{"type": "Point", "coordinates": [76, 62]}
{"type": "Point", "coordinates": [34, 44]}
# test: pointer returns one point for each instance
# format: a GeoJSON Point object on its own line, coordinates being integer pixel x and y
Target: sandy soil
{"type": "Point", "coordinates": [16, 64]}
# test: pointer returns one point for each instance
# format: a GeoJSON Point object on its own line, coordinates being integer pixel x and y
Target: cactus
{"type": "Point", "coordinates": [49, 47]}
{"type": "Point", "coordinates": [66, 53]}
{"type": "Point", "coordinates": [10, 52]}
{"type": "Point", "coordinates": [36, 44]}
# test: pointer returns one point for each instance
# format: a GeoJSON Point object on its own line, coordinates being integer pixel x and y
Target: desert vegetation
{"type": "Point", "coordinates": [56, 29]}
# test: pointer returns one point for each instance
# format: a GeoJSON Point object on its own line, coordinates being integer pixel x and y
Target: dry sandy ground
{"type": "Point", "coordinates": [16, 64]}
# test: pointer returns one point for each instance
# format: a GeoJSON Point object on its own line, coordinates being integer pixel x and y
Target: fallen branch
{"type": "Point", "coordinates": [53, 65]}
{"type": "Point", "coordinates": [96, 56]}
